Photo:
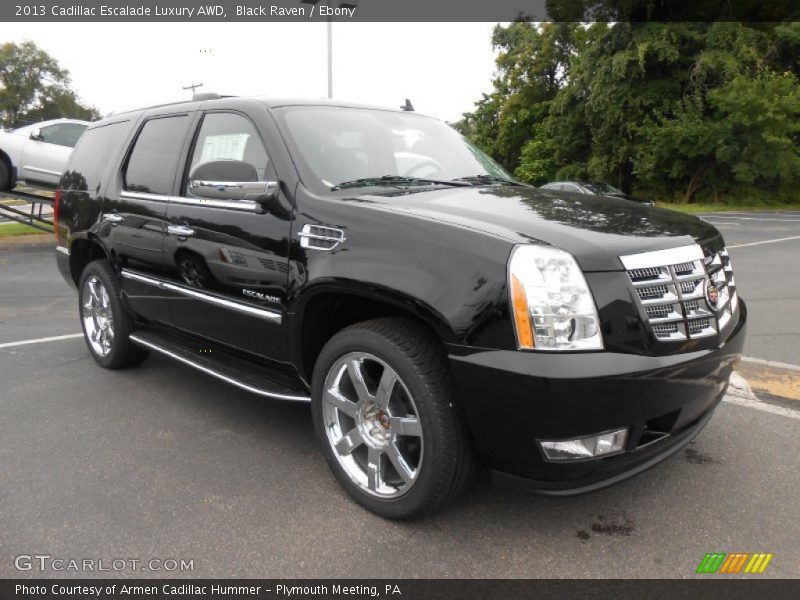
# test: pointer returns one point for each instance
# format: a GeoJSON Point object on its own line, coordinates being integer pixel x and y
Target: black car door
{"type": "Point", "coordinates": [227, 260]}
{"type": "Point", "coordinates": [133, 226]}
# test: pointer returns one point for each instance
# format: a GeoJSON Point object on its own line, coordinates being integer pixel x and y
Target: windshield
{"type": "Point", "coordinates": [602, 188]}
{"type": "Point", "coordinates": [346, 145]}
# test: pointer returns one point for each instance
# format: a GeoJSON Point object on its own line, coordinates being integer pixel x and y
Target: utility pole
{"type": "Point", "coordinates": [193, 87]}
{"type": "Point", "coordinates": [350, 4]}
{"type": "Point", "coordinates": [330, 58]}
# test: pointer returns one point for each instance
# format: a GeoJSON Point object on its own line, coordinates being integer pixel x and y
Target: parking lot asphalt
{"type": "Point", "coordinates": [768, 278]}
{"type": "Point", "coordinates": [162, 462]}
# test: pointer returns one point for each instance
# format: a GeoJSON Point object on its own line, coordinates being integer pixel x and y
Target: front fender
{"type": "Point", "coordinates": [451, 277]}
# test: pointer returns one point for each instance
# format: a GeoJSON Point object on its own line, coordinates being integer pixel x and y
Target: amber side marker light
{"type": "Point", "coordinates": [522, 316]}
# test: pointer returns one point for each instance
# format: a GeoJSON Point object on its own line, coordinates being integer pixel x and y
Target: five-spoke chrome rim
{"type": "Point", "coordinates": [372, 425]}
{"type": "Point", "coordinates": [98, 317]}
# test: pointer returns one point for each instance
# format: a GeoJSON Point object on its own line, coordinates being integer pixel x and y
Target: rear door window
{"type": "Point", "coordinates": [154, 159]}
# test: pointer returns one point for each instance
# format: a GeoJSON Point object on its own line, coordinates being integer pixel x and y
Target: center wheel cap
{"type": "Point", "coordinates": [375, 426]}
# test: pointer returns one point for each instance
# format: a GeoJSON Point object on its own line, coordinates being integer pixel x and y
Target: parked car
{"type": "Point", "coordinates": [36, 154]}
{"type": "Point", "coordinates": [596, 188]}
{"type": "Point", "coordinates": [436, 324]}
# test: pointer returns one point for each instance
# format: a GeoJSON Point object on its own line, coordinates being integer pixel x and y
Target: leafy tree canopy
{"type": "Point", "coordinates": [682, 111]}
{"type": "Point", "coordinates": [34, 87]}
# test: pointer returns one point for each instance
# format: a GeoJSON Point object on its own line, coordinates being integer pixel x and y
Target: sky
{"type": "Point", "coordinates": [442, 67]}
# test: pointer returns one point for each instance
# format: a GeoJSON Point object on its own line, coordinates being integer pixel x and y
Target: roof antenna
{"type": "Point", "coordinates": [408, 107]}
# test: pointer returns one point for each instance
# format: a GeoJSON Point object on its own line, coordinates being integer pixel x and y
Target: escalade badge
{"type": "Point", "coordinates": [712, 295]}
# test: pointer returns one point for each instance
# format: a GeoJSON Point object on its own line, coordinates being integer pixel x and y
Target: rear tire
{"type": "Point", "coordinates": [106, 324]}
{"type": "Point", "coordinates": [397, 442]}
{"type": "Point", "coordinates": [5, 176]}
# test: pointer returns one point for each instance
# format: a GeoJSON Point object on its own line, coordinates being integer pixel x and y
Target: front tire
{"type": "Point", "coordinates": [384, 410]}
{"type": "Point", "coordinates": [105, 322]}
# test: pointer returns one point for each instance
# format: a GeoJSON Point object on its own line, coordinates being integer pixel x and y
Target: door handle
{"type": "Point", "coordinates": [113, 218]}
{"type": "Point", "coordinates": [180, 230]}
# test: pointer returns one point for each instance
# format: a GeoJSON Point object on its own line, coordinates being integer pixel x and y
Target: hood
{"type": "Point", "coordinates": [595, 230]}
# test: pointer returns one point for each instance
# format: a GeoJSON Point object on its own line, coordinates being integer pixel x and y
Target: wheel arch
{"type": "Point", "coordinates": [327, 308]}
{"type": "Point", "coordinates": [82, 251]}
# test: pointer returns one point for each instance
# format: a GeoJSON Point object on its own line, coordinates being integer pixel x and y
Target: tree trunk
{"type": "Point", "coordinates": [694, 184]}
{"type": "Point", "coordinates": [624, 177]}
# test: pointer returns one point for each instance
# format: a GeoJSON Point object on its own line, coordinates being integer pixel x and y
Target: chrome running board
{"type": "Point", "coordinates": [229, 369]}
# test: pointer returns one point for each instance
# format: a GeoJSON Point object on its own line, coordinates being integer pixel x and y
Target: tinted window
{"type": "Point", "coordinates": [154, 160]}
{"type": "Point", "coordinates": [63, 134]}
{"type": "Point", "coordinates": [229, 136]}
{"type": "Point", "coordinates": [89, 160]}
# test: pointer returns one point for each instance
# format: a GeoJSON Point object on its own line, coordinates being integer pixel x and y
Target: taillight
{"type": "Point", "coordinates": [56, 206]}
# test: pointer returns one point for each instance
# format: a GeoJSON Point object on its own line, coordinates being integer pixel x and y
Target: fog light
{"type": "Point", "coordinates": [595, 446]}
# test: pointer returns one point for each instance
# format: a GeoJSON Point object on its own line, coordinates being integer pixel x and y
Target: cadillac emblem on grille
{"type": "Point", "coordinates": [712, 295]}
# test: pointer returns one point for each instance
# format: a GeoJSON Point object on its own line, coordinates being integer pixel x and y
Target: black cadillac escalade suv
{"type": "Point", "coordinates": [437, 314]}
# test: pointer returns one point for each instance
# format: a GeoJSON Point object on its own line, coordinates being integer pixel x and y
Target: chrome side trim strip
{"type": "Point", "coordinates": [63, 250]}
{"type": "Point", "coordinates": [243, 205]}
{"type": "Point", "coordinates": [261, 392]}
{"type": "Point", "coordinates": [144, 196]}
{"type": "Point", "coordinates": [40, 170]}
{"type": "Point", "coordinates": [261, 313]}
{"type": "Point", "coordinates": [659, 258]}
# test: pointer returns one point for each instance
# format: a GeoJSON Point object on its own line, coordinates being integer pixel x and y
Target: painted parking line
{"type": "Point", "coordinates": [55, 338]}
{"type": "Point", "coordinates": [774, 241]}
{"type": "Point", "coordinates": [740, 393]}
{"type": "Point", "coordinates": [771, 363]}
{"type": "Point", "coordinates": [756, 219]}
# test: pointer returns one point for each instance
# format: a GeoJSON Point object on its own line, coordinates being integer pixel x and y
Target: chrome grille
{"type": "Point", "coordinates": [658, 312]}
{"type": "Point", "coordinates": [666, 330]}
{"type": "Point", "coordinates": [671, 287]}
{"type": "Point", "coordinates": [645, 274]}
{"type": "Point", "coordinates": [653, 291]}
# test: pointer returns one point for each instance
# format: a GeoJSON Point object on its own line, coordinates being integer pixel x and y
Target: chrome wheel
{"type": "Point", "coordinates": [372, 425]}
{"type": "Point", "coordinates": [98, 316]}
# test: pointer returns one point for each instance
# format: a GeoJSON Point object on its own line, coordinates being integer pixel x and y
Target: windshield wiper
{"type": "Point", "coordinates": [481, 179]}
{"type": "Point", "coordinates": [392, 180]}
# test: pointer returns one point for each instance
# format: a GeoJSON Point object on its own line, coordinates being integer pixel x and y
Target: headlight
{"type": "Point", "coordinates": [552, 306]}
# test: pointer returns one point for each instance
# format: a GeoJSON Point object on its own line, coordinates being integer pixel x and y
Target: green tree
{"type": "Point", "coordinates": [734, 131]}
{"type": "Point", "coordinates": [676, 110]}
{"type": "Point", "coordinates": [33, 86]}
{"type": "Point", "coordinates": [533, 63]}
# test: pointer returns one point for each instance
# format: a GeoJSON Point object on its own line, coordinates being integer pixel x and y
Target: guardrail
{"type": "Point", "coordinates": [28, 205]}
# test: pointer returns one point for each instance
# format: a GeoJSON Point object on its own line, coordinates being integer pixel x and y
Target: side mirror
{"type": "Point", "coordinates": [230, 180]}
{"type": "Point", "coordinates": [36, 134]}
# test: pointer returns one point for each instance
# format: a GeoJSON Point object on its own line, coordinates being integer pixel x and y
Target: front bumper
{"type": "Point", "coordinates": [511, 399]}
